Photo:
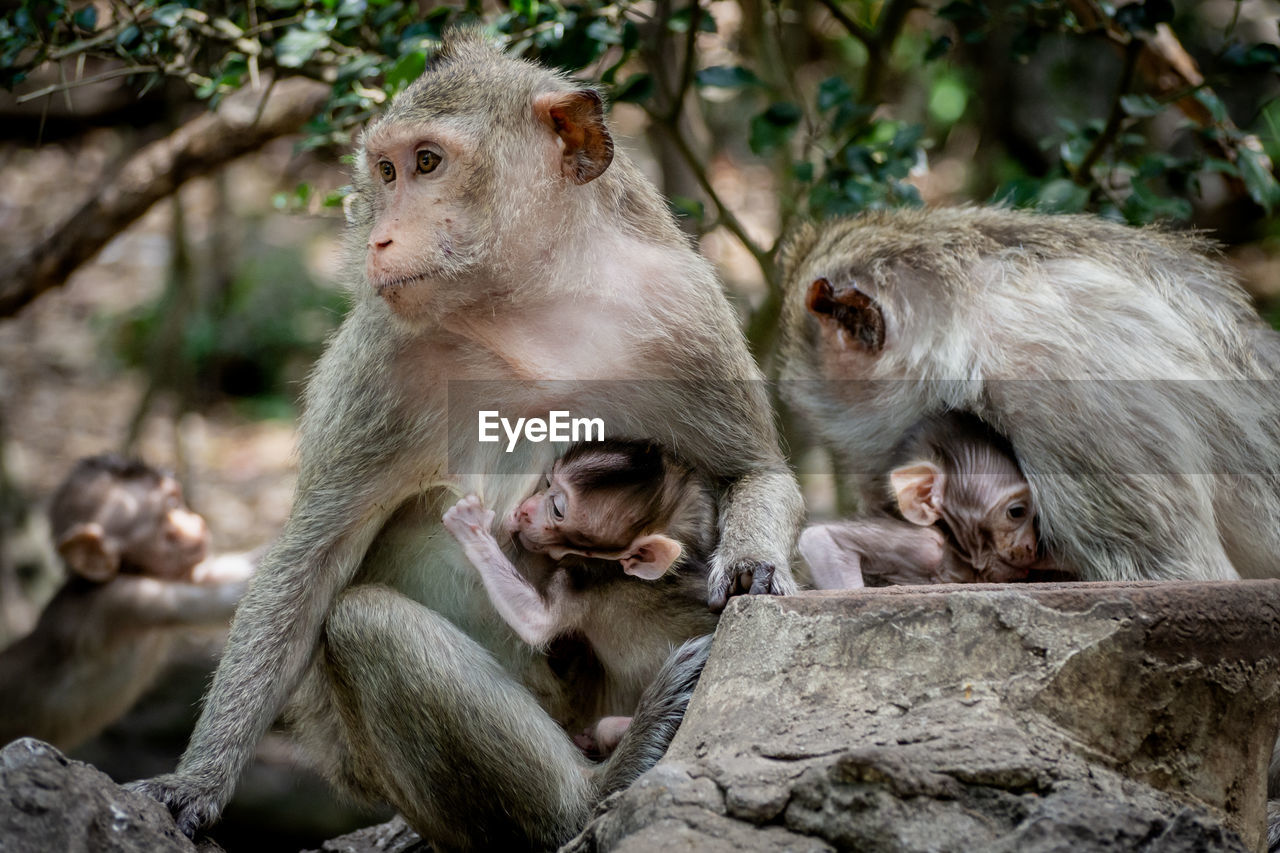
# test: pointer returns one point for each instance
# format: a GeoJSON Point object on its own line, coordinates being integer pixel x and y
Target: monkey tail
{"type": "Point", "coordinates": [656, 719]}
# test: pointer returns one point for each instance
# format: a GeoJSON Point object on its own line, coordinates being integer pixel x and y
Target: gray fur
{"type": "Point", "coordinates": [1086, 344]}
{"type": "Point", "coordinates": [409, 674]}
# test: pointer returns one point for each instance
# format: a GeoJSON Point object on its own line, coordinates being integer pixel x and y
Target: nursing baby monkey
{"type": "Point", "coordinates": [959, 511]}
{"type": "Point", "coordinates": [630, 531]}
{"type": "Point", "coordinates": [497, 241]}
{"type": "Point", "coordinates": [139, 578]}
{"type": "Point", "coordinates": [1133, 379]}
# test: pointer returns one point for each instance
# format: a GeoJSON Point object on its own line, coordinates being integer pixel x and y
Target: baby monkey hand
{"type": "Point", "coordinates": [469, 520]}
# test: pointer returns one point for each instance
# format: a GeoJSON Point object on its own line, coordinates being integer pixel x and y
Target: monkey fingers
{"type": "Point", "coordinates": [746, 577]}
{"type": "Point", "coordinates": [467, 518]}
{"type": "Point", "coordinates": [192, 804]}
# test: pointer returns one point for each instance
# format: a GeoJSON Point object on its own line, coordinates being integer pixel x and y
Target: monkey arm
{"type": "Point", "coordinates": [759, 517]}
{"type": "Point", "coordinates": [271, 643]}
{"type": "Point", "coordinates": [153, 602]}
{"type": "Point", "coordinates": [516, 601]}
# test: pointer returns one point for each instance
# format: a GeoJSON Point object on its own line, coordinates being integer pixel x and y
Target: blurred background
{"type": "Point", "coordinates": [172, 176]}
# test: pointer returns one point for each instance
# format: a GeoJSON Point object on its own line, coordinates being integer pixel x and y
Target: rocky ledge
{"type": "Point", "coordinates": [1020, 718]}
{"type": "Point", "coordinates": [1080, 717]}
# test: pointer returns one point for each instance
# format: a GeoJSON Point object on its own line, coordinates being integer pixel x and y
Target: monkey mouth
{"type": "Point", "coordinates": [383, 285]}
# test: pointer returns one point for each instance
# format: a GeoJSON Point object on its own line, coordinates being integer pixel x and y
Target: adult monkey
{"type": "Point", "coordinates": [1132, 377]}
{"type": "Point", "coordinates": [492, 239]}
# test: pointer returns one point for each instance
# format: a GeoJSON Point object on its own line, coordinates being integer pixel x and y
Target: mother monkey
{"type": "Point", "coordinates": [495, 237]}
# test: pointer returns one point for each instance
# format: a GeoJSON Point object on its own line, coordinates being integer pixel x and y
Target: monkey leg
{"type": "Point", "coordinates": [429, 722]}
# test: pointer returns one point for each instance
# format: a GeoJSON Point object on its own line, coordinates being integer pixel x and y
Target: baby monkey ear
{"type": "Point", "coordinates": [650, 556]}
{"type": "Point", "coordinates": [919, 488]}
{"type": "Point", "coordinates": [89, 553]}
{"type": "Point", "coordinates": [578, 119]}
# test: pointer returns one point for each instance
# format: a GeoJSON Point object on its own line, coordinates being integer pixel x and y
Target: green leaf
{"type": "Point", "coordinates": [603, 32]}
{"type": "Point", "coordinates": [802, 171]}
{"type": "Point", "coordinates": [1258, 180]}
{"type": "Point", "coordinates": [964, 14]}
{"type": "Point", "coordinates": [1141, 106]}
{"type": "Point", "coordinates": [1216, 164]}
{"type": "Point", "coordinates": [298, 46]}
{"type": "Point", "coordinates": [687, 208]}
{"type": "Point", "coordinates": [833, 91]}
{"type": "Point", "coordinates": [938, 48]}
{"type": "Point", "coordinates": [168, 15]}
{"type": "Point", "coordinates": [352, 9]}
{"type": "Point", "coordinates": [727, 77]}
{"type": "Point", "coordinates": [1212, 103]}
{"type": "Point", "coordinates": [86, 18]}
{"type": "Point", "coordinates": [948, 99]}
{"type": "Point", "coordinates": [407, 69]}
{"type": "Point", "coordinates": [679, 21]}
{"type": "Point", "coordinates": [772, 128]}
{"type": "Point", "coordinates": [636, 88]}
{"type": "Point", "coordinates": [128, 36]}
{"type": "Point", "coordinates": [1062, 196]}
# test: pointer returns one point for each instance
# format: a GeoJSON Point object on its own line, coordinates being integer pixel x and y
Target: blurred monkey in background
{"type": "Point", "coordinates": [136, 556]}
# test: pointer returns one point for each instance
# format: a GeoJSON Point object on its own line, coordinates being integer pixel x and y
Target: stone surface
{"type": "Point", "coordinates": [49, 802]}
{"type": "Point", "coordinates": [1059, 717]}
{"type": "Point", "coordinates": [394, 836]}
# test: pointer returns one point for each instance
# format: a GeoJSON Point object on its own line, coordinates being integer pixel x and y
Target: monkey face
{"type": "Point", "coordinates": [162, 536]}
{"type": "Point", "coordinates": [445, 205]}
{"type": "Point", "coordinates": [424, 224]}
{"type": "Point", "coordinates": [140, 524]}
{"type": "Point", "coordinates": [998, 534]}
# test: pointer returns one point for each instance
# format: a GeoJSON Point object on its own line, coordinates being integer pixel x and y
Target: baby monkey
{"type": "Point", "coordinates": [136, 556]}
{"type": "Point", "coordinates": [964, 514]}
{"type": "Point", "coordinates": [628, 531]}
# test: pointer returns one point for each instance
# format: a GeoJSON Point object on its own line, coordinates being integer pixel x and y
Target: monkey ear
{"type": "Point", "coordinates": [577, 118]}
{"type": "Point", "coordinates": [650, 556]}
{"type": "Point", "coordinates": [858, 314]}
{"type": "Point", "coordinates": [89, 553]}
{"type": "Point", "coordinates": [919, 488]}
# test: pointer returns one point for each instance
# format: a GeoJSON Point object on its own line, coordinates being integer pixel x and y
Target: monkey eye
{"type": "Point", "coordinates": [1017, 512]}
{"type": "Point", "coordinates": [427, 161]}
{"type": "Point", "coordinates": [387, 171]}
{"type": "Point", "coordinates": [557, 507]}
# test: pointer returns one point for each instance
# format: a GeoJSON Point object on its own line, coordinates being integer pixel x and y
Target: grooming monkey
{"type": "Point", "coordinates": [1130, 375]}
{"type": "Point", "coordinates": [495, 237]}
{"type": "Point", "coordinates": [964, 514]}
{"type": "Point", "coordinates": [136, 555]}
{"type": "Point", "coordinates": [631, 531]}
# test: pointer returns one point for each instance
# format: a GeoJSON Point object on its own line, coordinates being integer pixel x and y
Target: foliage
{"type": "Point", "coordinates": [253, 339]}
{"type": "Point", "coordinates": [849, 102]}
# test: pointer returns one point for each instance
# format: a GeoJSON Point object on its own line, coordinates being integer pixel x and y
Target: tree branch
{"type": "Point", "coordinates": [1167, 69]}
{"type": "Point", "coordinates": [1114, 119]}
{"type": "Point", "coordinates": [725, 215]}
{"type": "Point", "coordinates": [200, 146]}
{"type": "Point", "coordinates": [842, 17]}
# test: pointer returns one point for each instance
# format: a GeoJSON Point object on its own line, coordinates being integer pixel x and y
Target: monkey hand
{"type": "Point", "coordinates": [469, 519]}
{"type": "Point", "coordinates": [746, 576]}
{"type": "Point", "coordinates": [193, 802]}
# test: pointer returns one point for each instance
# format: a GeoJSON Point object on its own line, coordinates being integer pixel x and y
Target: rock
{"type": "Point", "coordinates": [394, 836]}
{"type": "Point", "coordinates": [49, 802]}
{"type": "Point", "coordinates": [1027, 718]}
